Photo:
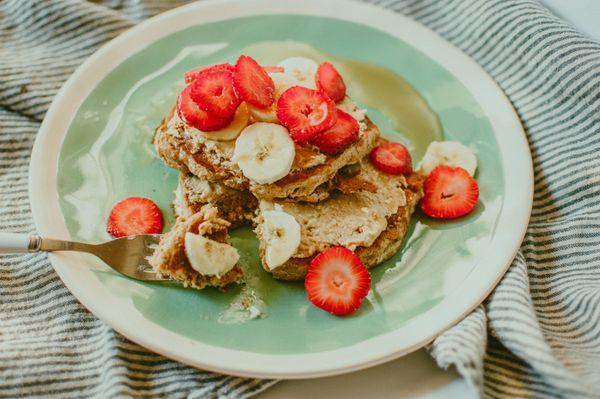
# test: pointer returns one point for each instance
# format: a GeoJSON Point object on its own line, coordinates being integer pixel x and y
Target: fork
{"type": "Point", "coordinates": [127, 255]}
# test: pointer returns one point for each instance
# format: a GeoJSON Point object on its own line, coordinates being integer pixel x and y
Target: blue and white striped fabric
{"type": "Point", "coordinates": [537, 335]}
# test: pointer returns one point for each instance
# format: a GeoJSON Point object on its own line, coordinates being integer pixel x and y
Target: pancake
{"type": "Point", "coordinates": [170, 260]}
{"type": "Point", "coordinates": [187, 150]}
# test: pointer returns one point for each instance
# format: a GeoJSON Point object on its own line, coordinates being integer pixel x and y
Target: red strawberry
{"type": "Point", "coordinates": [449, 192]}
{"type": "Point", "coordinates": [305, 112]}
{"type": "Point", "coordinates": [134, 215]}
{"type": "Point", "coordinates": [213, 92]}
{"type": "Point", "coordinates": [192, 75]}
{"type": "Point", "coordinates": [252, 83]}
{"type": "Point", "coordinates": [339, 137]}
{"type": "Point", "coordinates": [193, 116]}
{"type": "Point", "coordinates": [337, 281]}
{"type": "Point", "coordinates": [274, 69]}
{"type": "Point", "coordinates": [392, 158]}
{"type": "Point", "coordinates": [330, 81]}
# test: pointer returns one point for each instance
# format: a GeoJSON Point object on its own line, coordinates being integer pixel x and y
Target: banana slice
{"type": "Point", "coordinates": [231, 131]}
{"type": "Point", "coordinates": [300, 71]}
{"type": "Point", "coordinates": [350, 107]}
{"type": "Point", "coordinates": [264, 115]}
{"type": "Point", "coordinates": [209, 257]}
{"type": "Point", "coordinates": [283, 81]}
{"type": "Point", "coordinates": [264, 152]}
{"type": "Point", "coordinates": [451, 153]}
{"type": "Point", "coordinates": [281, 232]}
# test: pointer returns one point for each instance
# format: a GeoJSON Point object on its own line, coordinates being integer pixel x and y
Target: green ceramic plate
{"type": "Point", "coordinates": [94, 149]}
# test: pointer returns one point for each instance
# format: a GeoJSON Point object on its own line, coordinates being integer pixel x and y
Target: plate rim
{"type": "Point", "coordinates": [373, 351]}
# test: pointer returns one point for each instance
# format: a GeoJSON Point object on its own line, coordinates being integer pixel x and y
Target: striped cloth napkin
{"type": "Point", "coordinates": [537, 335]}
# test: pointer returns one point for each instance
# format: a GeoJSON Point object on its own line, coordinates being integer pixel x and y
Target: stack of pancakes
{"type": "Point", "coordinates": [338, 200]}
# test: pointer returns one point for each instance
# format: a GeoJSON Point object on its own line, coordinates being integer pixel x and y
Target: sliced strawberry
{"type": "Point", "coordinates": [194, 116]}
{"type": "Point", "coordinates": [305, 112]}
{"type": "Point", "coordinates": [213, 92]}
{"type": "Point", "coordinates": [339, 137]}
{"type": "Point", "coordinates": [449, 192]}
{"type": "Point", "coordinates": [252, 83]}
{"type": "Point", "coordinates": [192, 75]}
{"type": "Point", "coordinates": [392, 158]}
{"type": "Point", "coordinates": [330, 81]}
{"type": "Point", "coordinates": [337, 281]}
{"type": "Point", "coordinates": [134, 215]}
{"type": "Point", "coordinates": [274, 69]}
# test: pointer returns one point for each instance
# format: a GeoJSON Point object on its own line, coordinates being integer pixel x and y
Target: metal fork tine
{"type": "Point", "coordinates": [138, 266]}
{"type": "Point", "coordinates": [127, 255]}
{"type": "Point", "coordinates": [145, 271]}
{"type": "Point", "coordinates": [152, 239]}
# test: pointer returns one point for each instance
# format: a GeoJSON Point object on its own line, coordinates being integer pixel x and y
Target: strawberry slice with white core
{"type": "Point", "coordinates": [192, 75]}
{"type": "Point", "coordinates": [134, 215]}
{"type": "Point", "coordinates": [449, 192]}
{"type": "Point", "coordinates": [330, 81]}
{"type": "Point", "coordinates": [337, 281]}
{"type": "Point", "coordinates": [192, 115]}
{"type": "Point", "coordinates": [392, 158]}
{"type": "Point", "coordinates": [339, 137]}
{"type": "Point", "coordinates": [252, 83]}
{"type": "Point", "coordinates": [305, 112]}
{"type": "Point", "coordinates": [213, 92]}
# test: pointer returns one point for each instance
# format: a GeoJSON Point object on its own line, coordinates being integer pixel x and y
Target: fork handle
{"type": "Point", "coordinates": [17, 242]}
